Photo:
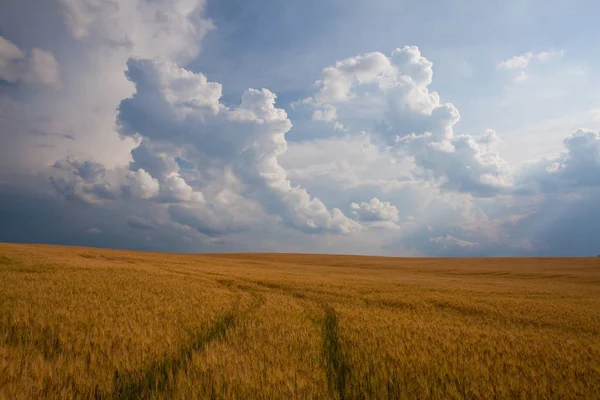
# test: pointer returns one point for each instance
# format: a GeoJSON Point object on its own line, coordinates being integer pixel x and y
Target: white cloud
{"type": "Point", "coordinates": [104, 35]}
{"type": "Point", "coordinates": [92, 183]}
{"type": "Point", "coordinates": [464, 164]}
{"type": "Point", "coordinates": [578, 166]}
{"type": "Point", "coordinates": [166, 111]}
{"type": "Point", "coordinates": [376, 213]}
{"type": "Point", "coordinates": [176, 189]}
{"type": "Point", "coordinates": [39, 68]}
{"type": "Point", "coordinates": [339, 127]}
{"type": "Point", "coordinates": [327, 113]}
{"type": "Point", "coordinates": [345, 163]}
{"type": "Point", "coordinates": [411, 120]}
{"type": "Point", "coordinates": [375, 210]}
{"type": "Point", "coordinates": [225, 214]}
{"type": "Point", "coordinates": [144, 28]}
{"type": "Point", "coordinates": [522, 61]}
{"type": "Point", "coordinates": [337, 81]}
{"type": "Point", "coordinates": [521, 76]}
{"type": "Point", "coordinates": [546, 56]}
{"type": "Point", "coordinates": [141, 184]}
{"type": "Point", "coordinates": [516, 62]}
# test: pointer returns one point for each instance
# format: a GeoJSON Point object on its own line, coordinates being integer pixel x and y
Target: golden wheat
{"type": "Point", "coordinates": [92, 323]}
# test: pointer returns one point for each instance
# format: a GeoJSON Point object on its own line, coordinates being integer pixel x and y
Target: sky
{"type": "Point", "coordinates": [404, 128]}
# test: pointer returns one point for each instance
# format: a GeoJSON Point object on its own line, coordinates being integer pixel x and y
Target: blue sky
{"type": "Point", "coordinates": [136, 124]}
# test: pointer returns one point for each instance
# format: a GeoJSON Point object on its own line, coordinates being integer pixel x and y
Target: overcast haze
{"type": "Point", "coordinates": [416, 128]}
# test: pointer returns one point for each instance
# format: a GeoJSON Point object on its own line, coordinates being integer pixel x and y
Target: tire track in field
{"type": "Point", "coordinates": [337, 367]}
{"type": "Point", "coordinates": [156, 378]}
{"type": "Point", "coordinates": [338, 370]}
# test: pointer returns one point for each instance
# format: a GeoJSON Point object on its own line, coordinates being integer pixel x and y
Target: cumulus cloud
{"type": "Point", "coordinates": [175, 189]}
{"type": "Point", "coordinates": [90, 182]}
{"type": "Point", "coordinates": [170, 34]}
{"type": "Point", "coordinates": [38, 68]}
{"type": "Point", "coordinates": [221, 216]}
{"type": "Point", "coordinates": [145, 28]}
{"type": "Point", "coordinates": [82, 180]}
{"type": "Point", "coordinates": [376, 213]}
{"type": "Point", "coordinates": [576, 167]}
{"type": "Point", "coordinates": [94, 47]}
{"type": "Point", "coordinates": [412, 120]}
{"type": "Point", "coordinates": [467, 164]}
{"type": "Point", "coordinates": [345, 163]}
{"type": "Point", "coordinates": [337, 81]}
{"type": "Point", "coordinates": [180, 121]}
{"type": "Point", "coordinates": [140, 184]}
{"type": "Point", "coordinates": [581, 164]}
{"type": "Point", "coordinates": [216, 168]}
{"type": "Point", "coordinates": [375, 210]}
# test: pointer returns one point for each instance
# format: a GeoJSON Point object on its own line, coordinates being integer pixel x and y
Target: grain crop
{"type": "Point", "coordinates": [88, 323]}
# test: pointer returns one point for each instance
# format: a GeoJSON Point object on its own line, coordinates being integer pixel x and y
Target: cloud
{"type": "Point", "coordinates": [337, 81]}
{"type": "Point", "coordinates": [521, 76]}
{"type": "Point", "coordinates": [577, 167]}
{"type": "Point", "coordinates": [82, 181]}
{"type": "Point", "coordinates": [449, 241]}
{"type": "Point", "coordinates": [563, 224]}
{"type": "Point", "coordinates": [140, 184]}
{"type": "Point", "coordinates": [376, 213]}
{"type": "Point", "coordinates": [375, 210]}
{"type": "Point", "coordinates": [179, 119]}
{"type": "Point", "coordinates": [327, 113]}
{"type": "Point", "coordinates": [522, 61]}
{"type": "Point", "coordinates": [411, 120]}
{"type": "Point", "coordinates": [176, 190]}
{"type": "Point", "coordinates": [466, 164]}
{"type": "Point", "coordinates": [516, 62]}
{"type": "Point", "coordinates": [344, 164]}
{"type": "Point", "coordinates": [580, 165]}
{"type": "Point", "coordinates": [90, 182]}
{"type": "Point", "coordinates": [94, 47]}
{"type": "Point", "coordinates": [39, 68]}
{"type": "Point", "coordinates": [144, 28]}
{"type": "Point", "coordinates": [34, 214]}
{"type": "Point", "coordinates": [222, 216]}
{"type": "Point", "coordinates": [360, 168]}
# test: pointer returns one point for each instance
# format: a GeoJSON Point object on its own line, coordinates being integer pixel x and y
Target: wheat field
{"type": "Point", "coordinates": [104, 324]}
